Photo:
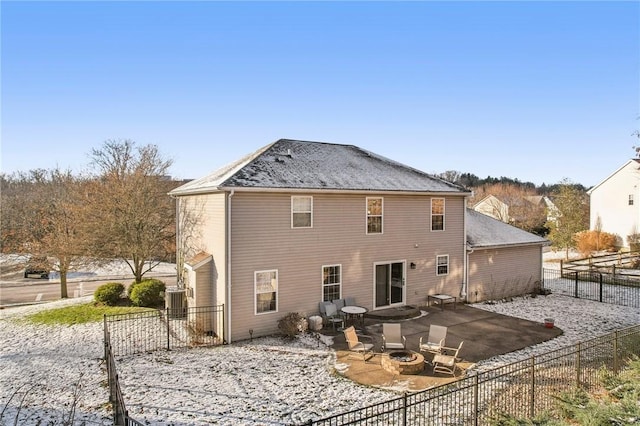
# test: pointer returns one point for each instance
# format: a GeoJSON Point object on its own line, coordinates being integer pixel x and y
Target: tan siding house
{"type": "Point", "coordinates": [492, 206]}
{"type": "Point", "coordinates": [296, 223]}
{"type": "Point", "coordinates": [504, 261]}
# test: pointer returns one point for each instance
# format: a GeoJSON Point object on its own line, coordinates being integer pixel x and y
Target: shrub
{"type": "Point", "coordinates": [109, 293]}
{"type": "Point", "coordinates": [148, 293]}
{"type": "Point", "coordinates": [292, 324]}
{"type": "Point", "coordinates": [588, 242]}
{"type": "Point", "coordinates": [130, 288]}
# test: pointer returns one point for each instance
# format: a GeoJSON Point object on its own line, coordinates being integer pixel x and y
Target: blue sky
{"type": "Point", "coordinates": [538, 91]}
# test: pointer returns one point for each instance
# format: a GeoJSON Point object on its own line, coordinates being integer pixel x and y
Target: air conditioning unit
{"type": "Point", "coordinates": [175, 302]}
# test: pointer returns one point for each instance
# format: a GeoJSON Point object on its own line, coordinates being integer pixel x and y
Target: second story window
{"type": "Point", "coordinates": [630, 199]}
{"type": "Point", "coordinates": [302, 212]}
{"type": "Point", "coordinates": [437, 214]}
{"type": "Point", "coordinates": [374, 215]}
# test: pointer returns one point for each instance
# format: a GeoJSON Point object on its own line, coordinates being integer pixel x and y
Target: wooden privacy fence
{"type": "Point", "coordinates": [522, 389]}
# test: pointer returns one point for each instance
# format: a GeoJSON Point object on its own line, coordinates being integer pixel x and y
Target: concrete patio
{"type": "Point", "coordinates": [485, 334]}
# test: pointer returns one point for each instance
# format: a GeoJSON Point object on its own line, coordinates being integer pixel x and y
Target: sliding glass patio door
{"type": "Point", "coordinates": [389, 283]}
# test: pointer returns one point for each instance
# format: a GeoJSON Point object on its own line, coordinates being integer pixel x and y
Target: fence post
{"type": "Point", "coordinates": [404, 411]}
{"type": "Point", "coordinates": [601, 291]}
{"type": "Point", "coordinates": [578, 367]}
{"type": "Point", "coordinates": [575, 291]}
{"type": "Point", "coordinates": [166, 318]}
{"type": "Point", "coordinates": [615, 353]}
{"type": "Point", "coordinates": [476, 397]}
{"type": "Point", "coordinates": [224, 330]}
{"type": "Point", "coordinates": [532, 406]}
{"type": "Point", "coordinates": [104, 332]}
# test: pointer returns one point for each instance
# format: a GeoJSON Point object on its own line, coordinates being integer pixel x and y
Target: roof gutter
{"type": "Point", "coordinates": [214, 189]}
{"type": "Point", "coordinates": [345, 191]}
{"type": "Point", "coordinates": [500, 246]}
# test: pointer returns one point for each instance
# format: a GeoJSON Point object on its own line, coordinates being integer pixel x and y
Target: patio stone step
{"type": "Point", "coordinates": [395, 313]}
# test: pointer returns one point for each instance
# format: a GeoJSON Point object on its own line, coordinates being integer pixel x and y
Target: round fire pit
{"type": "Point", "coordinates": [403, 362]}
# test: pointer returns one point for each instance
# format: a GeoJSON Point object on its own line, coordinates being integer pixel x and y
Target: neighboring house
{"type": "Point", "coordinates": [545, 202]}
{"type": "Point", "coordinates": [493, 207]}
{"type": "Point", "coordinates": [503, 261]}
{"type": "Point", "coordinates": [296, 223]}
{"type": "Point", "coordinates": [615, 203]}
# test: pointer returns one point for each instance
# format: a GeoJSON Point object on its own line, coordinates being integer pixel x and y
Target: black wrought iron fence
{"type": "Point", "coordinates": [593, 285]}
{"type": "Point", "coordinates": [522, 389]}
{"type": "Point", "coordinates": [120, 414]}
{"type": "Point", "coordinates": [165, 329]}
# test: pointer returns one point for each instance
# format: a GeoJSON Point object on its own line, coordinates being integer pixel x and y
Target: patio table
{"type": "Point", "coordinates": [441, 299]}
{"type": "Point", "coordinates": [354, 313]}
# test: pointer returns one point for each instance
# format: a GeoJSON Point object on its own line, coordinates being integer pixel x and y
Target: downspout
{"type": "Point", "coordinates": [465, 263]}
{"type": "Point", "coordinates": [466, 272]}
{"type": "Point", "coordinates": [465, 254]}
{"type": "Point", "coordinates": [228, 298]}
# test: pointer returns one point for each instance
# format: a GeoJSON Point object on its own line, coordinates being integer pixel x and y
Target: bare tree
{"type": "Point", "coordinates": [42, 217]}
{"type": "Point", "coordinates": [132, 216]}
{"type": "Point", "coordinates": [450, 176]}
{"type": "Point", "coordinates": [15, 226]}
{"type": "Point", "coordinates": [597, 228]}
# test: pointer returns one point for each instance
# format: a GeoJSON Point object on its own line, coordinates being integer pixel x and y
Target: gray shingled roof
{"type": "Point", "coordinates": [485, 231]}
{"type": "Point", "coordinates": [293, 164]}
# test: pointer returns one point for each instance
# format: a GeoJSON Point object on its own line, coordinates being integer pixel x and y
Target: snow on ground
{"type": "Point", "coordinates": [13, 264]}
{"type": "Point", "coordinates": [43, 363]}
{"type": "Point", "coordinates": [264, 381]}
{"type": "Point", "coordinates": [267, 381]}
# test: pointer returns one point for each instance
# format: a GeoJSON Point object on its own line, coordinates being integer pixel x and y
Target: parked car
{"type": "Point", "coordinates": [37, 267]}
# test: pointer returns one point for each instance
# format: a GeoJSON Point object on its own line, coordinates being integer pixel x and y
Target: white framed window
{"type": "Point", "coordinates": [442, 264]}
{"type": "Point", "coordinates": [301, 211]}
{"type": "Point", "coordinates": [266, 291]}
{"type": "Point", "coordinates": [630, 199]}
{"type": "Point", "coordinates": [374, 215]}
{"type": "Point", "coordinates": [331, 282]}
{"type": "Point", "coordinates": [437, 214]}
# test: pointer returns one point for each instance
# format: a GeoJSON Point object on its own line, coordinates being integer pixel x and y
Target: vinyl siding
{"type": "Point", "coordinates": [504, 272]}
{"type": "Point", "coordinates": [610, 202]}
{"type": "Point", "coordinates": [492, 206]}
{"type": "Point", "coordinates": [210, 238]}
{"type": "Point", "coordinates": [262, 239]}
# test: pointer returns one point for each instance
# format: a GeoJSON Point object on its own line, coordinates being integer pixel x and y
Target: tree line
{"type": "Point", "coordinates": [118, 210]}
{"type": "Point", "coordinates": [567, 216]}
{"type": "Point", "coordinates": [469, 180]}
